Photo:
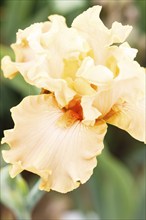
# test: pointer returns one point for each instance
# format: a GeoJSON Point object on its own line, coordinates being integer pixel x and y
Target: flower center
{"type": "Point", "coordinates": [74, 106]}
{"type": "Point", "coordinates": [72, 113]}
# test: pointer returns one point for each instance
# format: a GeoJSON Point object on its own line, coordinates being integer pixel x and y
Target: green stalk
{"type": "Point", "coordinates": [34, 196]}
{"type": "Point", "coordinates": [24, 216]}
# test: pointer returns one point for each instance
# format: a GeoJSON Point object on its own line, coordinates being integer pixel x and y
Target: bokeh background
{"type": "Point", "coordinates": [117, 189]}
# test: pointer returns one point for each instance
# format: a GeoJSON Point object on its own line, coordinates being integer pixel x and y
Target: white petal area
{"type": "Point", "coordinates": [63, 157]}
{"type": "Point", "coordinates": [95, 74]}
{"type": "Point", "coordinates": [131, 117]}
{"type": "Point", "coordinates": [97, 34]}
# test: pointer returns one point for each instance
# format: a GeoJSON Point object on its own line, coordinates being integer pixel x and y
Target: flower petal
{"type": "Point", "coordinates": [129, 84]}
{"type": "Point", "coordinates": [90, 113]}
{"type": "Point", "coordinates": [8, 67]}
{"type": "Point", "coordinates": [95, 74]}
{"type": "Point", "coordinates": [63, 156]}
{"type": "Point", "coordinates": [129, 116]}
{"type": "Point", "coordinates": [109, 95]}
{"type": "Point", "coordinates": [97, 34]}
{"type": "Point", "coordinates": [129, 112]}
{"type": "Point", "coordinates": [119, 32]}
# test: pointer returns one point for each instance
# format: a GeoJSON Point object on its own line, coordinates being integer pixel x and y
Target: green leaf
{"type": "Point", "coordinates": [6, 51]}
{"type": "Point", "coordinates": [15, 14]}
{"type": "Point", "coordinates": [141, 5]}
{"type": "Point", "coordinates": [140, 211]}
{"type": "Point", "coordinates": [34, 195]}
{"type": "Point", "coordinates": [14, 193]}
{"type": "Point", "coordinates": [113, 190]}
{"type": "Point", "coordinates": [19, 85]}
{"type": "Point", "coordinates": [17, 196]}
{"type": "Point", "coordinates": [2, 162]}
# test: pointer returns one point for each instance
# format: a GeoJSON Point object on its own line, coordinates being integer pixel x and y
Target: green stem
{"type": "Point", "coordinates": [24, 215]}
{"type": "Point", "coordinates": [34, 196]}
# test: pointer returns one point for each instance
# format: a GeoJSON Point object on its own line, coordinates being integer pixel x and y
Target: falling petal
{"type": "Point", "coordinates": [63, 156]}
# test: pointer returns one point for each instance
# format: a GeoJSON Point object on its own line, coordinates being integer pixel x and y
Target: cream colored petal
{"type": "Point", "coordinates": [8, 67]}
{"type": "Point", "coordinates": [127, 51]}
{"type": "Point", "coordinates": [129, 116]}
{"type": "Point", "coordinates": [129, 69]}
{"type": "Point", "coordinates": [128, 88]}
{"type": "Point", "coordinates": [41, 51]}
{"type": "Point", "coordinates": [93, 30]}
{"type": "Point", "coordinates": [35, 75]}
{"type": "Point", "coordinates": [95, 74]}
{"type": "Point", "coordinates": [62, 156]}
{"type": "Point", "coordinates": [114, 54]}
{"type": "Point", "coordinates": [119, 33]}
{"type": "Point", "coordinates": [28, 42]}
{"type": "Point", "coordinates": [83, 87]}
{"type": "Point", "coordinates": [91, 16]}
{"type": "Point", "coordinates": [97, 34]}
{"type": "Point", "coordinates": [90, 112]}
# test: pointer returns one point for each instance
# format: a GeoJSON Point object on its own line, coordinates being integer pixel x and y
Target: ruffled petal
{"type": "Point", "coordinates": [97, 34]}
{"type": "Point", "coordinates": [63, 156]}
{"type": "Point", "coordinates": [45, 52]}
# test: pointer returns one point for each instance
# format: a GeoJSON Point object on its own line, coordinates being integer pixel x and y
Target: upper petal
{"type": "Point", "coordinates": [62, 156]}
{"type": "Point", "coordinates": [97, 34]}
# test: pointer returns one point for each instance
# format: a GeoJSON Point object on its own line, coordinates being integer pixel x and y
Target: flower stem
{"type": "Point", "coordinates": [24, 216]}
{"type": "Point", "coordinates": [34, 196]}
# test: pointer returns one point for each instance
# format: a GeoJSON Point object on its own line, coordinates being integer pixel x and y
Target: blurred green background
{"type": "Point", "coordinates": [117, 189]}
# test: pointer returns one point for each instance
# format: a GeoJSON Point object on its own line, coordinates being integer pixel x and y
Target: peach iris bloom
{"type": "Point", "coordinates": [89, 78]}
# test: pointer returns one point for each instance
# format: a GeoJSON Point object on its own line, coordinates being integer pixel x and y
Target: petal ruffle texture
{"type": "Point", "coordinates": [62, 156]}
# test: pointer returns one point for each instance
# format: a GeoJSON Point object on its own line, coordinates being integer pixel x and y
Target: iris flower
{"type": "Point", "coordinates": [88, 78]}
